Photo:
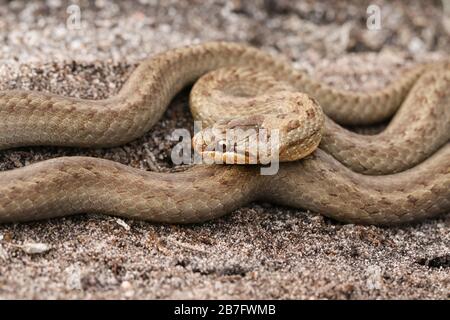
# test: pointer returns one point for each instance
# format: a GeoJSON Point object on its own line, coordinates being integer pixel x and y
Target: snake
{"type": "Point", "coordinates": [399, 175]}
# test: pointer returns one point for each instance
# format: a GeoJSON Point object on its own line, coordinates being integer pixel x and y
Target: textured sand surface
{"type": "Point", "coordinates": [259, 251]}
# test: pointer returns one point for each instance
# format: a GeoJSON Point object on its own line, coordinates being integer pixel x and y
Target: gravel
{"type": "Point", "coordinates": [257, 252]}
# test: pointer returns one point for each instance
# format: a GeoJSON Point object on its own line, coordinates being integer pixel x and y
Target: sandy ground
{"type": "Point", "coordinates": [258, 251]}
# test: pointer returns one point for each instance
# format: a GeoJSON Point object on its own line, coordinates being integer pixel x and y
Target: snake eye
{"type": "Point", "coordinates": [221, 146]}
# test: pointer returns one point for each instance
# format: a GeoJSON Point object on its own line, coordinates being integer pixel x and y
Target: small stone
{"type": "Point", "coordinates": [35, 248]}
{"type": "Point", "coordinates": [127, 287]}
{"type": "Point", "coordinates": [123, 224]}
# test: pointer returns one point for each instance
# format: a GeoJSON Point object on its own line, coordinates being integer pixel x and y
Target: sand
{"type": "Point", "coordinates": [257, 252]}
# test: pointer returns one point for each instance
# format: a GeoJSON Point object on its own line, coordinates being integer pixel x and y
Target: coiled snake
{"type": "Point", "coordinates": [399, 175]}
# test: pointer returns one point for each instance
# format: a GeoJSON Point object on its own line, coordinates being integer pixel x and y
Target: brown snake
{"type": "Point", "coordinates": [409, 161]}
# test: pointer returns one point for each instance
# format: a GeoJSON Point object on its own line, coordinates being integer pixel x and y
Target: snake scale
{"type": "Point", "coordinates": [399, 175]}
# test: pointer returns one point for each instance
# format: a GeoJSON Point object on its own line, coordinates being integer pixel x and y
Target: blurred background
{"type": "Point", "coordinates": [103, 29]}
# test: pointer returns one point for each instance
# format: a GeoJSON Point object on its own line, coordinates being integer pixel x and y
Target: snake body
{"type": "Point", "coordinates": [411, 156]}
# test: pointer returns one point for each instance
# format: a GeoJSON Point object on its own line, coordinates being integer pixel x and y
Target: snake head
{"type": "Point", "coordinates": [234, 141]}
{"type": "Point", "coordinates": [289, 129]}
